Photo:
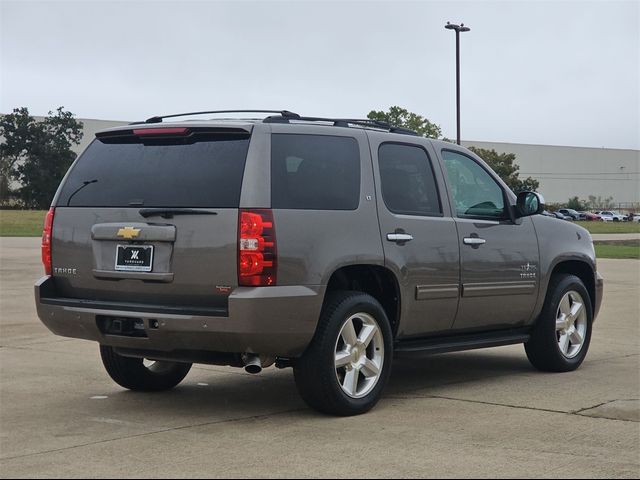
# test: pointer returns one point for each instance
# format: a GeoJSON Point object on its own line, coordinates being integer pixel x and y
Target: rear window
{"type": "Point", "coordinates": [315, 172]}
{"type": "Point", "coordinates": [205, 174]}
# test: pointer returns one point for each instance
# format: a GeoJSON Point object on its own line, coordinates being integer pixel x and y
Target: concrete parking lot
{"type": "Point", "coordinates": [484, 413]}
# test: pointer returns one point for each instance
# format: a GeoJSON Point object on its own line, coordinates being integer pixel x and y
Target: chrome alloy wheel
{"type": "Point", "coordinates": [359, 355]}
{"type": "Point", "coordinates": [571, 324]}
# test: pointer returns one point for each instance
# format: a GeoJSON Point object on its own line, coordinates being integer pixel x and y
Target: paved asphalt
{"type": "Point", "coordinates": [485, 413]}
{"type": "Point", "coordinates": [598, 237]}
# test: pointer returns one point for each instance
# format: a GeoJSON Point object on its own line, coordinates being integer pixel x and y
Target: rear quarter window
{"type": "Point", "coordinates": [315, 172]}
{"type": "Point", "coordinates": [205, 173]}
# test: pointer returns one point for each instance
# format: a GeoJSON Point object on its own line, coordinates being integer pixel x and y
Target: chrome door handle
{"type": "Point", "coordinates": [399, 237]}
{"type": "Point", "coordinates": [474, 241]}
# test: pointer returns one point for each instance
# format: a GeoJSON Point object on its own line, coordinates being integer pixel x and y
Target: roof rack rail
{"type": "Point", "coordinates": [343, 122]}
{"type": "Point", "coordinates": [159, 118]}
{"type": "Point", "coordinates": [285, 116]}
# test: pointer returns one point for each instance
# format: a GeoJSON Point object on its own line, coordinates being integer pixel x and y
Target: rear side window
{"type": "Point", "coordinates": [205, 174]}
{"type": "Point", "coordinates": [408, 182]}
{"type": "Point", "coordinates": [315, 172]}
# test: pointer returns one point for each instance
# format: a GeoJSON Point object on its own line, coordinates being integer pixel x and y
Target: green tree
{"type": "Point", "coordinates": [506, 168]}
{"type": "Point", "coordinates": [401, 117]}
{"type": "Point", "coordinates": [575, 203]}
{"type": "Point", "coordinates": [36, 154]}
{"type": "Point", "coordinates": [554, 206]}
{"type": "Point", "coordinates": [17, 130]}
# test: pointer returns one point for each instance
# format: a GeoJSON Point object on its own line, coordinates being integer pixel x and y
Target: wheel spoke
{"type": "Point", "coordinates": [561, 322]}
{"type": "Point", "coordinates": [576, 308]}
{"type": "Point", "coordinates": [366, 334]}
{"type": "Point", "coordinates": [350, 383]}
{"type": "Point", "coordinates": [342, 358]}
{"type": "Point", "coordinates": [576, 337]}
{"type": "Point", "coordinates": [565, 305]}
{"type": "Point", "coordinates": [349, 333]}
{"type": "Point", "coordinates": [564, 343]}
{"type": "Point", "coordinates": [370, 368]}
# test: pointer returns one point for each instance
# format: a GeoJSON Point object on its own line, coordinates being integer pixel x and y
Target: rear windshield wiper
{"type": "Point", "coordinates": [170, 212]}
{"type": "Point", "coordinates": [84, 184]}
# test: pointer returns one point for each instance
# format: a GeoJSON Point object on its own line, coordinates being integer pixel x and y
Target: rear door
{"type": "Point", "coordinates": [499, 257]}
{"type": "Point", "coordinates": [151, 217]}
{"type": "Point", "coordinates": [418, 234]}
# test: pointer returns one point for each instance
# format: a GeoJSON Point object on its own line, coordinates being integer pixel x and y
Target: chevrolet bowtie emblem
{"type": "Point", "coordinates": [128, 232]}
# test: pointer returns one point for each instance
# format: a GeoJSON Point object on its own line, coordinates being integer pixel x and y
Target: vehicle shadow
{"type": "Point", "coordinates": [207, 395]}
{"type": "Point", "coordinates": [421, 372]}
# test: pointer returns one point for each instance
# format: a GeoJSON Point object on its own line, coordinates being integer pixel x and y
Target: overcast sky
{"type": "Point", "coordinates": [561, 72]}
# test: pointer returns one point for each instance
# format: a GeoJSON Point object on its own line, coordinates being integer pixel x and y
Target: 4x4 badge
{"type": "Point", "coordinates": [128, 232]}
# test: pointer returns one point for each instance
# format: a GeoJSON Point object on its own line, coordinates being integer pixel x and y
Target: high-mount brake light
{"type": "Point", "coordinates": [257, 253]}
{"type": "Point", "coordinates": [47, 232]}
{"type": "Point", "coordinates": [157, 132]}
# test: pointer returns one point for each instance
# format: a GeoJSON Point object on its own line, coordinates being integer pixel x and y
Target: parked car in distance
{"type": "Point", "coordinates": [611, 216]}
{"type": "Point", "coordinates": [589, 217]}
{"type": "Point", "coordinates": [562, 216]}
{"type": "Point", "coordinates": [568, 212]}
{"type": "Point", "coordinates": [323, 245]}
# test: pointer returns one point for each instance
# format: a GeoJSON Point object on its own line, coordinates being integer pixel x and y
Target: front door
{"type": "Point", "coordinates": [418, 234]}
{"type": "Point", "coordinates": [499, 256]}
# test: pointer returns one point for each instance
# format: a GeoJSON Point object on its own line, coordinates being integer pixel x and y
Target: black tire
{"type": "Point", "coordinates": [133, 374]}
{"type": "Point", "coordinates": [315, 372]}
{"type": "Point", "coordinates": [542, 348]}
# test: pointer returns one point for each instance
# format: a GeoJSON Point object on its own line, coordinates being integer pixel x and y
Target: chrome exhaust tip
{"type": "Point", "coordinates": [252, 363]}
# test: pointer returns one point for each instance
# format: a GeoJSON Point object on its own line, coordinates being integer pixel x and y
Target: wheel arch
{"type": "Point", "coordinates": [581, 269]}
{"type": "Point", "coordinates": [375, 280]}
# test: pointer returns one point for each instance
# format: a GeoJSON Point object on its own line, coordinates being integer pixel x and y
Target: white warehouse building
{"type": "Point", "coordinates": [563, 172]}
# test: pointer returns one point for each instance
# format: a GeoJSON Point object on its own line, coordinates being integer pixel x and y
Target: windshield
{"type": "Point", "coordinates": [202, 174]}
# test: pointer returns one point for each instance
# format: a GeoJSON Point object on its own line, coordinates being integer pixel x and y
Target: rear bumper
{"type": "Point", "coordinates": [278, 321]}
{"type": "Point", "coordinates": [599, 294]}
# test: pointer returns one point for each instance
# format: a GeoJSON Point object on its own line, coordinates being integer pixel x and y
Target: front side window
{"type": "Point", "coordinates": [475, 193]}
{"type": "Point", "coordinates": [408, 183]}
{"type": "Point", "coordinates": [315, 172]}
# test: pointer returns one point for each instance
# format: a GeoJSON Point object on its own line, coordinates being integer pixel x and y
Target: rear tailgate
{"type": "Point", "coordinates": [151, 219]}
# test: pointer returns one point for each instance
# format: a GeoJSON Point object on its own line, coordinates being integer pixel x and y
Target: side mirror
{"type": "Point", "coordinates": [529, 203]}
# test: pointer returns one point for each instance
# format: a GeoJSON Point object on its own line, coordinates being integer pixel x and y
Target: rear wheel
{"type": "Point", "coordinates": [346, 367]}
{"type": "Point", "coordinates": [142, 375]}
{"type": "Point", "coordinates": [560, 339]}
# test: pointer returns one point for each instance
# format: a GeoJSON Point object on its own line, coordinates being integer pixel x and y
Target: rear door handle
{"type": "Point", "coordinates": [474, 241]}
{"type": "Point", "coordinates": [399, 237]}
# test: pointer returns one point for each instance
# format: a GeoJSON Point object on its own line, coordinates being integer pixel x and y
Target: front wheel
{"type": "Point", "coordinates": [346, 367]}
{"type": "Point", "coordinates": [561, 337]}
{"type": "Point", "coordinates": [134, 374]}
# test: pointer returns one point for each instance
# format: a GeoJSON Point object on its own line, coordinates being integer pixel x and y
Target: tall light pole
{"type": "Point", "coordinates": [458, 29]}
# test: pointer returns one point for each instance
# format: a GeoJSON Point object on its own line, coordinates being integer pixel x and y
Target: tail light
{"type": "Point", "coordinates": [46, 241]}
{"type": "Point", "coordinates": [256, 248]}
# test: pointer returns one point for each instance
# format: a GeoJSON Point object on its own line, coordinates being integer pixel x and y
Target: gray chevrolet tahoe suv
{"type": "Point", "coordinates": [326, 245]}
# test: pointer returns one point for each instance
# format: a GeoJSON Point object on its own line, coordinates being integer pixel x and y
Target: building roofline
{"type": "Point", "coordinates": [471, 142]}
